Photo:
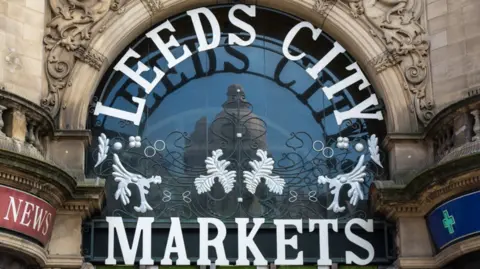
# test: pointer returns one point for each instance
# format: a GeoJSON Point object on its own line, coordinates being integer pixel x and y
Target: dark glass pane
{"type": "Point", "coordinates": [238, 100]}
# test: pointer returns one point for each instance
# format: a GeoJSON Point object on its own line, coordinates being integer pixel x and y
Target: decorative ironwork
{"type": "Point", "coordinates": [294, 179]}
{"type": "Point", "coordinates": [216, 169]}
{"type": "Point", "coordinates": [354, 178]}
{"type": "Point", "coordinates": [102, 149]}
{"type": "Point", "coordinates": [124, 178]}
{"type": "Point", "coordinates": [373, 148]}
{"type": "Point", "coordinates": [263, 169]}
{"type": "Point", "coordinates": [288, 124]}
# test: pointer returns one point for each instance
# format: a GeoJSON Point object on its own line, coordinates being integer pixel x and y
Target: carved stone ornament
{"type": "Point", "coordinates": [67, 37]}
{"type": "Point", "coordinates": [322, 7]}
{"type": "Point", "coordinates": [153, 6]}
{"type": "Point", "coordinates": [397, 24]}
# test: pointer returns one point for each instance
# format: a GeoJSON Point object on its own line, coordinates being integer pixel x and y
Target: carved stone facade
{"type": "Point", "coordinates": [67, 37]}
{"type": "Point", "coordinates": [398, 24]}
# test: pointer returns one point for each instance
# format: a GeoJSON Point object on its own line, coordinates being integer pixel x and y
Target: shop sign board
{"type": "Point", "coordinates": [247, 242]}
{"type": "Point", "coordinates": [229, 192]}
{"type": "Point", "coordinates": [26, 214]}
{"type": "Point", "coordinates": [205, 44]}
{"type": "Point", "coordinates": [451, 222]}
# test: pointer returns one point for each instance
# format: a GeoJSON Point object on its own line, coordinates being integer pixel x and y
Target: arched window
{"type": "Point", "coordinates": [237, 131]}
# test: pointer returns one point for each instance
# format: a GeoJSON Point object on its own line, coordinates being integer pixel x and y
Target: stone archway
{"type": "Point", "coordinates": [386, 39]}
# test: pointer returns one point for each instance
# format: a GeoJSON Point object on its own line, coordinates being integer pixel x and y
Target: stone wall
{"type": "Point", "coordinates": [454, 29]}
{"type": "Point", "coordinates": [22, 24]}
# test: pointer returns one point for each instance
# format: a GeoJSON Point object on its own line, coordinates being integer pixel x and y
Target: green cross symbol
{"type": "Point", "coordinates": [448, 222]}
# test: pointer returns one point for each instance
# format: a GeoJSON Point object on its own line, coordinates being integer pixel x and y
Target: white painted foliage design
{"type": "Point", "coordinates": [263, 169]}
{"type": "Point", "coordinates": [124, 178]}
{"type": "Point", "coordinates": [354, 179]}
{"type": "Point", "coordinates": [102, 149]}
{"type": "Point", "coordinates": [216, 169]}
{"type": "Point", "coordinates": [373, 148]}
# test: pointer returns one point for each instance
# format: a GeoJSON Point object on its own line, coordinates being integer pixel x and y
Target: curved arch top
{"type": "Point", "coordinates": [351, 33]}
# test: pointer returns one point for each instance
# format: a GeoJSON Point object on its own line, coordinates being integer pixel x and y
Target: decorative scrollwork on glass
{"type": "Point", "coordinates": [312, 196]}
{"type": "Point", "coordinates": [225, 168]}
{"type": "Point", "coordinates": [167, 196]}
{"type": "Point", "coordinates": [293, 197]}
{"type": "Point", "coordinates": [186, 197]}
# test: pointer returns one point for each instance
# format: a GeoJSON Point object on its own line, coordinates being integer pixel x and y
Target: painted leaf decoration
{"type": "Point", "coordinates": [216, 169]}
{"type": "Point", "coordinates": [373, 149]}
{"type": "Point", "coordinates": [102, 149]}
{"type": "Point", "coordinates": [353, 178]}
{"type": "Point", "coordinates": [263, 169]}
{"type": "Point", "coordinates": [123, 177]}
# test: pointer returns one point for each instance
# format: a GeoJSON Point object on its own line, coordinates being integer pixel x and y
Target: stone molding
{"type": "Point", "coordinates": [64, 261]}
{"type": "Point", "coordinates": [50, 183]}
{"type": "Point", "coordinates": [153, 6]}
{"type": "Point", "coordinates": [397, 201]}
{"type": "Point", "coordinates": [31, 250]}
{"type": "Point", "coordinates": [440, 260]}
{"type": "Point", "coordinates": [31, 110]}
{"type": "Point", "coordinates": [45, 191]}
{"type": "Point", "coordinates": [27, 124]}
{"type": "Point", "coordinates": [34, 253]}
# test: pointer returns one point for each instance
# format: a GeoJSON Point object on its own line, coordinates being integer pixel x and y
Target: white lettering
{"type": "Point", "coordinates": [356, 112]}
{"type": "Point", "coordinates": [26, 212]}
{"type": "Point", "coordinates": [39, 218]}
{"type": "Point", "coordinates": [233, 39]}
{"type": "Point", "coordinates": [136, 75]}
{"type": "Point", "coordinates": [282, 242]}
{"type": "Point", "coordinates": [291, 35]}
{"type": "Point", "coordinates": [124, 115]}
{"type": "Point", "coordinates": [317, 68]}
{"type": "Point", "coordinates": [15, 209]}
{"type": "Point", "coordinates": [217, 242]}
{"type": "Point", "coordinates": [357, 240]}
{"type": "Point", "coordinates": [197, 24]}
{"type": "Point", "coordinates": [346, 82]}
{"type": "Point", "coordinates": [47, 224]}
{"type": "Point", "coordinates": [323, 237]}
{"type": "Point", "coordinates": [172, 42]}
{"type": "Point", "coordinates": [143, 225]}
{"type": "Point", "coordinates": [246, 241]}
{"type": "Point", "coordinates": [175, 235]}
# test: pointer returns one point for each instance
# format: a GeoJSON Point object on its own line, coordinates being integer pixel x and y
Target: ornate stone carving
{"type": "Point", "coordinates": [153, 6]}
{"type": "Point", "coordinates": [322, 7]}
{"type": "Point", "coordinates": [397, 24]}
{"type": "Point", "coordinates": [67, 38]}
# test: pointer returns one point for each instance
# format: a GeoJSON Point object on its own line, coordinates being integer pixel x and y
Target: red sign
{"type": "Point", "coordinates": [26, 214]}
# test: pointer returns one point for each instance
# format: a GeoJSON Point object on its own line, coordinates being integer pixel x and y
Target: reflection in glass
{"type": "Point", "coordinates": [239, 100]}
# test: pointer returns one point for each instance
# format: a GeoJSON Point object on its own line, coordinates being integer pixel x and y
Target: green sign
{"type": "Point", "coordinates": [448, 222]}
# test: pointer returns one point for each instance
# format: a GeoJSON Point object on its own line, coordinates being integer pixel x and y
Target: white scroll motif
{"type": "Point", "coordinates": [373, 148]}
{"type": "Point", "coordinates": [354, 178]}
{"type": "Point", "coordinates": [102, 149]}
{"type": "Point", "coordinates": [216, 169]}
{"type": "Point", "coordinates": [124, 178]}
{"type": "Point", "coordinates": [263, 169]}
